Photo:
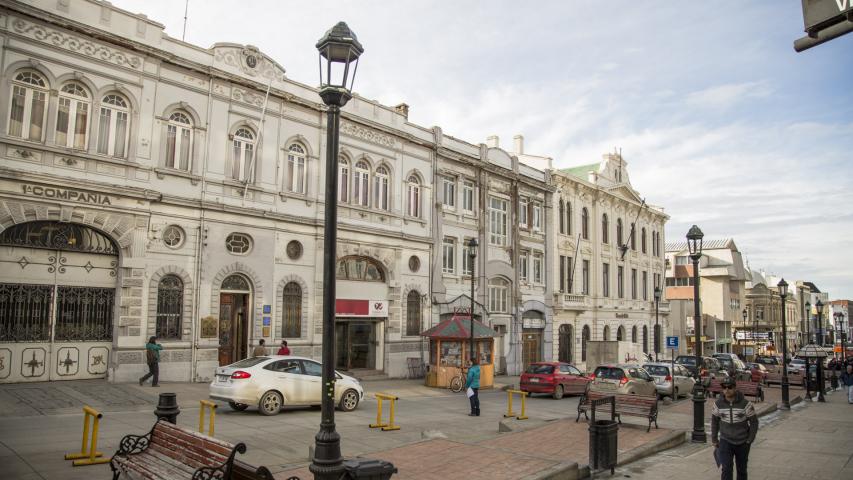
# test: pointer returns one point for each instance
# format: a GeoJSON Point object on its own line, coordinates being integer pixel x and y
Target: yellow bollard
{"type": "Point", "coordinates": [212, 408]}
{"type": "Point", "coordinates": [89, 453]}
{"type": "Point", "coordinates": [379, 424]}
{"type": "Point", "coordinates": [509, 412]}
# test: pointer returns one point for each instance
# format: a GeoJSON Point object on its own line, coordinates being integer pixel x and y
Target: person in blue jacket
{"type": "Point", "coordinates": [473, 382]}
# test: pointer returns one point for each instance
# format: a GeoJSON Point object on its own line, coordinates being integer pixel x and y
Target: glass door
{"type": "Point", "coordinates": [355, 345]}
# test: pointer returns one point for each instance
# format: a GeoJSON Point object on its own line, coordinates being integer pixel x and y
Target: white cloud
{"type": "Point", "coordinates": [723, 97]}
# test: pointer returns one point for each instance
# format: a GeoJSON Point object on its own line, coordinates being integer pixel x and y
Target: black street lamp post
{"type": "Point", "coordinates": [819, 361]}
{"type": "Point", "coordinates": [694, 244]}
{"type": "Point", "coordinates": [339, 51]}
{"type": "Point", "coordinates": [755, 317]}
{"type": "Point", "coordinates": [745, 314]}
{"type": "Point", "coordinates": [808, 341]}
{"type": "Point", "coordinates": [472, 255]}
{"type": "Point", "coordinates": [657, 328]}
{"type": "Point", "coordinates": [843, 339]}
{"type": "Point", "coordinates": [783, 292]}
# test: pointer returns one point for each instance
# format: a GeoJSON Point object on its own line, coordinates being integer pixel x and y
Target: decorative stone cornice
{"type": "Point", "coordinates": [368, 134]}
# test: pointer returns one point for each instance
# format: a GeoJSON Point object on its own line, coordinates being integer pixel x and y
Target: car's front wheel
{"type": "Point", "coordinates": [270, 403]}
{"type": "Point", "coordinates": [349, 401]}
{"type": "Point", "coordinates": [237, 407]}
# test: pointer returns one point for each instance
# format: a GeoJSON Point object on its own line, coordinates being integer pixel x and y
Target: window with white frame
{"type": "Point", "coordinates": [537, 267]}
{"type": "Point", "coordinates": [497, 221]}
{"type": "Point", "coordinates": [681, 260]}
{"type": "Point", "coordinates": [343, 179]}
{"type": "Point", "coordinates": [585, 277]}
{"type": "Point", "coordinates": [523, 262]}
{"type": "Point", "coordinates": [448, 255]}
{"type": "Point", "coordinates": [113, 131]}
{"type": "Point", "coordinates": [448, 187]}
{"type": "Point", "coordinates": [380, 188]}
{"type": "Point", "coordinates": [645, 285]}
{"type": "Point", "coordinates": [620, 281]}
{"type": "Point", "coordinates": [29, 106]}
{"type": "Point", "coordinates": [296, 163]}
{"type": "Point", "coordinates": [498, 295]}
{"type": "Point", "coordinates": [467, 261]}
{"type": "Point", "coordinates": [523, 204]}
{"type": "Point", "coordinates": [633, 284]}
{"type": "Point", "coordinates": [414, 195]}
{"type": "Point", "coordinates": [468, 196]}
{"type": "Point", "coordinates": [72, 116]}
{"type": "Point", "coordinates": [243, 153]}
{"type": "Point", "coordinates": [605, 280]}
{"type": "Point", "coordinates": [537, 217]}
{"type": "Point", "coordinates": [179, 141]}
{"type": "Point", "coordinates": [360, 182]}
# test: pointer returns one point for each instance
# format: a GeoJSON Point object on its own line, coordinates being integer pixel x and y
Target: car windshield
{"type": "Point", "coordinates": [798, 360]}
{"type": "Point", "coordinates": [609, 373]}
{"type": "Point", "coordinates": [540, 369]}
{"type": "Point", "coordinates": [249, 362]}
{"type": "Point", "coordinates": [686, 361]}
{"type": "Point", "coordinates": [658, 370]}
{"type": "Point", "coordinates": [725, 362]}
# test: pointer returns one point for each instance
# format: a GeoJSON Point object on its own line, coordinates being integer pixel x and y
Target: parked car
{"type": "Point", "coordinates": [555, 378]}
{"type": "Point", "coordinates": [759, 373]}
{"type": "Point", "coordinates": [735, 368]}
{"type": "Point", "coordinates": [710, 367]}
{"type": "Point", "coordinates": [670, 380]}
{"type": "Point", "coordinates": [622, 378]}
{"type": "Point", "coordinates": [773, 365]}
{"type": "Point", "coordinates": [726, 355]}
{"type": "Point", "coordinates": [272, 382]}
{"type": "Point", "coordinates": [797, 365]}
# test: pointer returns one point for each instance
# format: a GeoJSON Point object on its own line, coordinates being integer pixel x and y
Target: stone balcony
{"type": "Point", "coordinates": [572, 301]}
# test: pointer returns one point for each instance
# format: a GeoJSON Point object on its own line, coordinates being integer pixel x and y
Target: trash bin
{"type": "Point", "coordinates": [369, 469]}
{"type": "Point", "coordinates": [602, 445]}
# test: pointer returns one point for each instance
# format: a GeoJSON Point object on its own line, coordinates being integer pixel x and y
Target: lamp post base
{"type": "Point", "coordinates": [786, 402]}
{"type": "Point", "coordinates": [698, 435]}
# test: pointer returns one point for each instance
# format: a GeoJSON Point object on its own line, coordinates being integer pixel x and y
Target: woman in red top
{"type": "Point", "coordinates": [283, 350]}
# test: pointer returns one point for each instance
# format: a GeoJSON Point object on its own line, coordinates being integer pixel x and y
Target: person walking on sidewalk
{"type": "Point", "coordinates": [734, 425]}
{"type": "Point", "coordinates": [260, 350]}
{"type": "Point", "coordinates": [847, 381]}
{"type": "Point", "coordinates": [473, 383]}
{"type": "Point", "coordinates": [152, 357]}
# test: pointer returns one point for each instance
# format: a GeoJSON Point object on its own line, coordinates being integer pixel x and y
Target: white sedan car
{"type": "Point", "coordinates": [271, 382]}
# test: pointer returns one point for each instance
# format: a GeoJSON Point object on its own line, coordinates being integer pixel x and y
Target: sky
{"type": "Point", "coordinates": [722, 124]}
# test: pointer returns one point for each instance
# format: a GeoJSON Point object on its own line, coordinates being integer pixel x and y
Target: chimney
{"type": "Point", "coordinates": [518, 142]}
{"type": "Point", "coordinates": [492, 141]}
{"type": "Point", "coordinates": [403, 109]}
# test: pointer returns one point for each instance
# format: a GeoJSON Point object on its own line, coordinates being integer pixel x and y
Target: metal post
{"type": "Point", "coordinates": [472, 255]}
{"type": "Point", "coordinates": [698, 435]}
{"type": "Point", "coordinates": [819, 360]}
{"type": "Point", "coordinates": [657, 329]}
{"type": "Point", "coordinates": [786, 404]}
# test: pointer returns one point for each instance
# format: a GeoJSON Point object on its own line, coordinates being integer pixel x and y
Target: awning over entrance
{"type": "Point", "coordinates": [459, 328]}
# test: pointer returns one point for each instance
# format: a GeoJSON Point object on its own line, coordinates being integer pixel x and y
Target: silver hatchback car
{"type": "Point", "coordinates": [671, 380]}
{"type": "Point", "coordinates": [622, 378]}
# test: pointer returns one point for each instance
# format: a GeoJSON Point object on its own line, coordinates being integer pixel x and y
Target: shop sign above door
{"type": "Point", "coordinates": [361, 308]}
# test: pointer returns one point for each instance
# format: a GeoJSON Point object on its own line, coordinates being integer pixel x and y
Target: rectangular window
{"type": "Point", "coordinates": [497, 221]}
{"type": "Point", "coordinates": [449, 192]}
{"type": "Point", "coordinates": [537, 267]}
{"type": "Point", "coordinates": [523, 204]}
{"type": "Point", "coordinates": [645, 285]}
{"type": "Point", "coordinates": [343, 179]}
{"type": "Point", "coordinates": [467, 261]}
{"type": "Point", "coordinates": [605, 280]}
{"type": "Point", "coordinates": [670, 282]}
{"type": "Point", "coordinates": [633, 283]}
{"type": "Point", "coordinates": [468, 197]}
{"type": "Point", "coordinates": [448, 255]}
{"type": "Point", "coordinates": [570, 274]}
{"type": "Point", "coordinates": [585, 278]}
{"type": "Point", "coordinates": [498, 298]}
{"type": "Point", "coordinates": [523, 259]}
{"type": "Point", "coordinates": [562, 273]}
{"type": "Point", "coordinates": [620, 281]}
{"type": "Point", "coordinates": [537, 217]}
{"type": "Point", "coordinates": [681, 260]}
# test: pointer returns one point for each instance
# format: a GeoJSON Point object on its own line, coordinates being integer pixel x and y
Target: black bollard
{"type": "Point", "coordinates": [167, 408]}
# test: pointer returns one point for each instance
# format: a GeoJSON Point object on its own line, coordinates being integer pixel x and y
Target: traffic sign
{"type": "Point", "coordinates": [671, 342]}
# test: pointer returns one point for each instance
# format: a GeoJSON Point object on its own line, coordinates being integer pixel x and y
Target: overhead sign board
{"type": "Point", "coordinates": [824, 20]}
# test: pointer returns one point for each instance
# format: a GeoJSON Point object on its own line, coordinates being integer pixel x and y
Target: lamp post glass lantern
{"type": "Point", "coordinates": [472, 254]}
{"type": "Point", "coordinates": [339, 51]}
{"type": "Point", "coordinates": [657, 327]}
{"type": "Point", "coordinates": [783, 292]}
{"type": "Point", "coordinates": [694, 244]}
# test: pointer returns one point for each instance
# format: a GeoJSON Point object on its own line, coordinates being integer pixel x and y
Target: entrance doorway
{"type": "Point", "coordinates": [356, 345]}
{"type": "Point", "coordinates": [235, 315]}
{"type": "Point", "coordinates": [531, 347]}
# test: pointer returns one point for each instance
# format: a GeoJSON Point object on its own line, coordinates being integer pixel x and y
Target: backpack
{"type": "Point", "coordinates": [150, 355]}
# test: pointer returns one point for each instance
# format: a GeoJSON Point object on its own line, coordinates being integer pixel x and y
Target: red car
{"type": "Point", "coordinates": [759, 373]}
{"type": "Point", "coordinates": [556, 378]}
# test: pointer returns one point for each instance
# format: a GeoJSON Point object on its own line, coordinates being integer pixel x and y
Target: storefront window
{"type": "Point", "coordinates": [451, 354]}
{"type": "Point", "coordinates": [433, 351]}
{"type": "Point", "coordinates": [484, 351]}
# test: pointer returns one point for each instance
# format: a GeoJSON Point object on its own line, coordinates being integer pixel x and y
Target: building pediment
{"type": "Point", "coordinates": [625, 192]}
{"type": "Point", "coordinates": [246, 60]}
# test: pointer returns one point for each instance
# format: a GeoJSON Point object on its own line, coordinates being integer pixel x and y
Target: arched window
{"type": "Point", "coordinates": [585, 223]}
{"type": "Point", "coordinates": [643, 240]}
{"type": "Point", "coordinates": [243, 155]}
{"type": "Point", "coordinates": [113, 128]}
{"type": "Point", "coordinates": [295, 180]}
{"type": "Point", "coordinates": [360, 182]}
{"type": "Point", "coordinates": [72, 116]}
{"type": "Point", "coordinates": [414, 196]}
{"type": "Point", "coordinates": [29, 106]}
{"type": "Point", "coordinates": [634, 334]}
{"type": "Point", "coordinates": [619, 231]}
{"type": "Point", "coordinates": [179, 141]}
{"type": "Point", "coordinates": [498, 295]}
{"type": "Point", "coordinates": [633, 237]}
{"type": "Point", "coordinates": [584, 339]}
{"type": "Point", "coordinates": [343, 179]}
{"type": "Point", "coordinates": [380, 188]}
{"type": "Point", "coordinates": [605, 225]}
{"type": "Point", "coordinates": [361, 269]}
{"type": "Point", "coordinates": [568, 218]}
{"type": "Point", "coordinates": [606, 334]}
{"type": "Point", "coordinates": [170, 302]}
{"type": "Point", "coordinates": [291, 314]}
{"type": "Point", "coordinates": [562, 216]}
{"type": "Point", "coordinates": [413, 314]}
{"type": "Point", "coordinates": [645, 339]}
{"type": "Point", "coordinates": [620, 333]}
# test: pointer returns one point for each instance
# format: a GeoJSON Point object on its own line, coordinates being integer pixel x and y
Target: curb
{"type": "Point", "coordinates": [670, 440]}
{"type": "Point", "coordinates": [560, 471]}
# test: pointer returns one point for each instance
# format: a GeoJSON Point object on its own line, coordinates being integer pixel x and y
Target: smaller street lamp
{"type": "Point", "coordinates": [808, 341]}
{"type": "Point", "coordinates": [694, 244]}
{"type": "Point", "coordinates": [745, 314]}
{"type": "Point", "coordinates": [819, 361]}
{"type": "Point", "coordinates": [472, 254]}
{"type": "Point", "coordinates": [783, 292]}
{"type": "Point", "coordinates": [657, 328]}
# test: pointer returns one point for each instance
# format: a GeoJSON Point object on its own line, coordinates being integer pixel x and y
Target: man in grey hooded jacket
{"type": "Point", "coordinates": [734, 425]}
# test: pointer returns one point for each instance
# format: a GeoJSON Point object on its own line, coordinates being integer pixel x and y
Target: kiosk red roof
{"type": "Point", "coordinates": [458, 327]}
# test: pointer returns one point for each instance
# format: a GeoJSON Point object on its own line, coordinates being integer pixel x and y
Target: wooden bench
{"type": "Point", "coordinates": [748, 389]}
{"type": "Point", "coordinates": [645, 406]}
{"type": "Point", "coordinates": [169, 451]}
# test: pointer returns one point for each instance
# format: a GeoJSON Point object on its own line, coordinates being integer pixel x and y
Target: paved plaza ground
{"type": "Point", "coordinates": [42, 422]}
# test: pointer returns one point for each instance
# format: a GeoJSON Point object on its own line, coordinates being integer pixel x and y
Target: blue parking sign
{"type": "Point", "coordinates": [671, 342]}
